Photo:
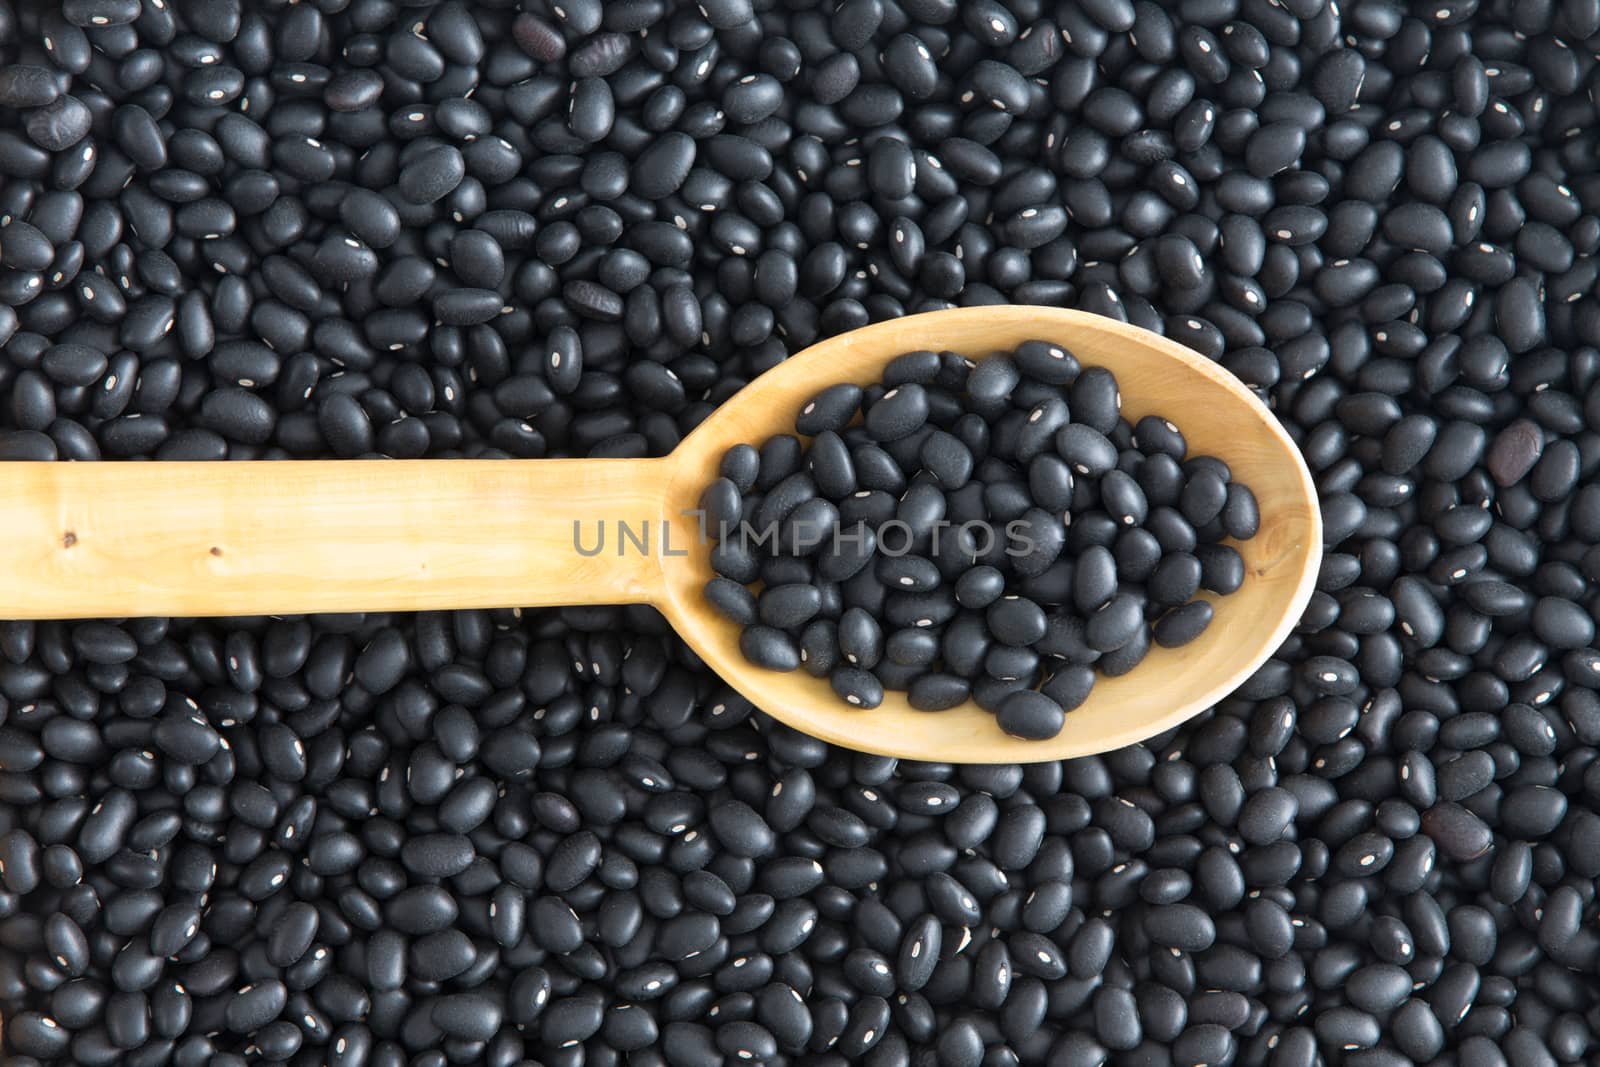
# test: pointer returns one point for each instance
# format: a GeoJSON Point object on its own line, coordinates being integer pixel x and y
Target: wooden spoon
{"type": "Point", "coordinates": [204, 539]}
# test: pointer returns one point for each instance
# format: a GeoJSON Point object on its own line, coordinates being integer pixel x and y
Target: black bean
{"type": "Point", "coordinates": [1086, 450]}
{"type": "Point", "coordinates": [1221, 568]}
{"type": "Point", "coordinates": [1069, 686]}
{"type": "Point", "coordinates": [857, 687]}
{"type": "Point", "coordinates": [1016, 620]}
{"type": "Point", "coordinates": [1030, 715]}
{"type": "Point", "coordinates": [938, 692]}
{"type": "Point", "coordinates": [1532, 811]}
{"type": "Point", "coordinates": [830, 410]}
{"type": "Point", "coordinates": [470, 1016]}
{"type": "Point", "coordinates": [431, 175]}
{"type": "Point", "coordinates": [788, 607]}
{"type": "Point", "coordinates": [1241, 518]}
{"type": "Point", "coordinates": [1114, 623]}
{"type": "Point", "coordinates": [255, 1005]}
{"type": "Point", "coordinates": [27, 85]}
{"type": "Point", "coordinates": [24, 247]}
{"type": "Point", "coordinates": [898, 413]}
{"type": "Point", "coordinates": [58, 125]}
{"type": "Point", "coordinates": [1457, 830]}
{"type": "Point", "coordinates": [979, 587]}
{"type": "Point", "coordinates": [733, 600]}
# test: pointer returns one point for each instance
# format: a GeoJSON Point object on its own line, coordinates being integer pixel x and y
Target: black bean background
{"type": "Point", "coordinates": [1396, 213]}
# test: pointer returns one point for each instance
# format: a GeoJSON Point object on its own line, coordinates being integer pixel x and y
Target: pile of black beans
{"type": "Point", "coordinates": [992, 530]}
{"type": "Point", "coordinates": [272, 230]}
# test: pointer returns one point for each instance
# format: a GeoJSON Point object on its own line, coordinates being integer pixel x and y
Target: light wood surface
{"type": "Point", "coordinates": [127, 539]}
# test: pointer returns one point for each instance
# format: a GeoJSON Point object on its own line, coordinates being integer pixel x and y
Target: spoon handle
{"type": "Point", "coordinates": [81, 540]}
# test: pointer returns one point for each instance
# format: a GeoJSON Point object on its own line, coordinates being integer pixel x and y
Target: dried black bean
{"type": "Point", "coordinates": [432, 174]}
{"type": "Point", "coordinates": [1030, 715]}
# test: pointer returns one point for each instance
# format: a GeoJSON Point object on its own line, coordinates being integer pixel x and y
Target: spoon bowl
{"type": "Point", "coordinates": [1157, 376]}
{"type": "Point", "coordinates": [276, 538]}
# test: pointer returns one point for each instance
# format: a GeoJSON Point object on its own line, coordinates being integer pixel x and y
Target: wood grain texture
{"type": "Point", "coordinates": [201, 539]}
{"type": "Point", "coordinates": [1157, 376]}
{"type": "Point", "coordinates": [128, 539]}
